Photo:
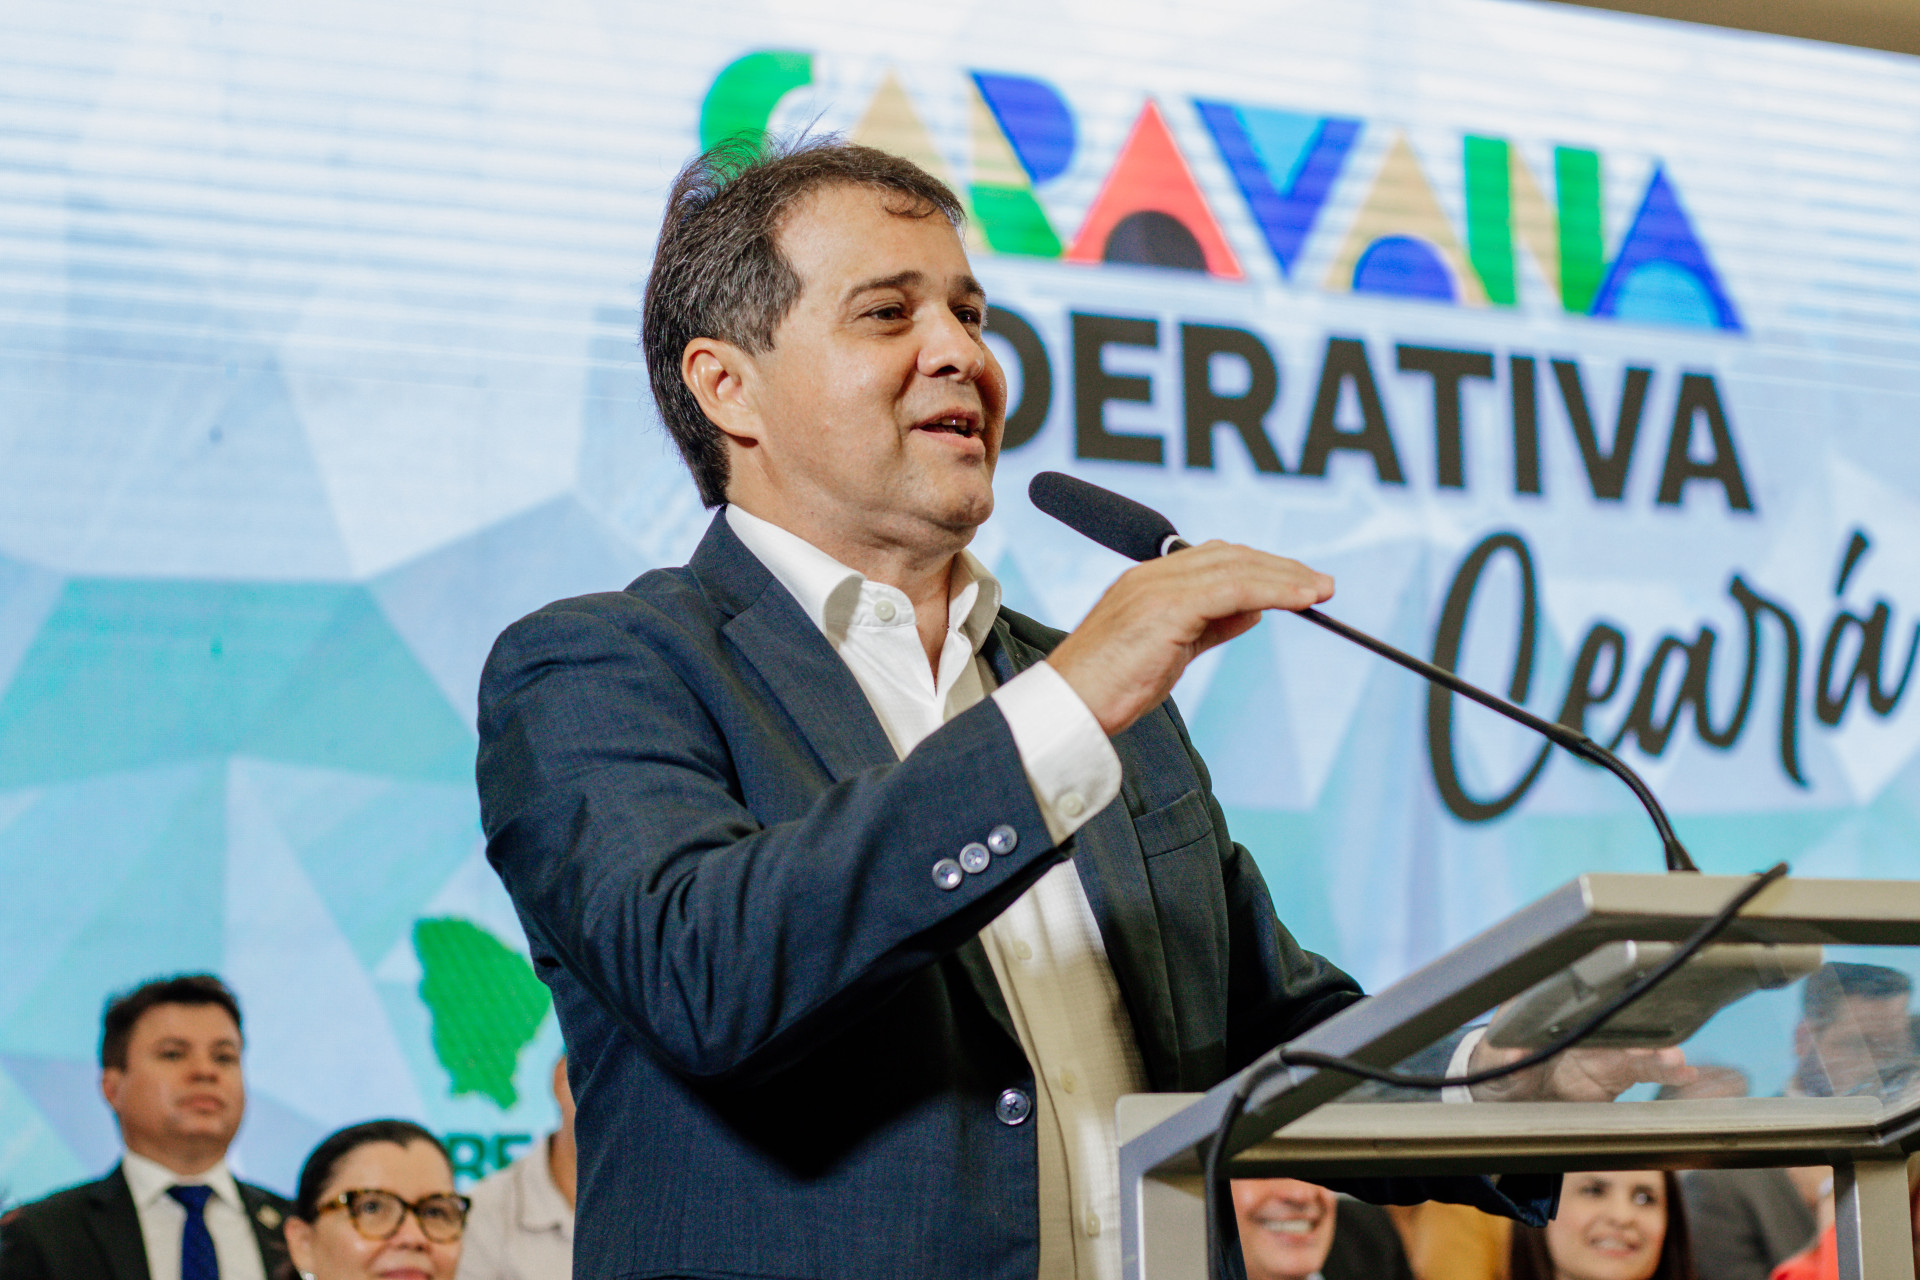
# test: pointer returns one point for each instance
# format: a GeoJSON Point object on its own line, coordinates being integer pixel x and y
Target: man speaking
{"type": "Point", "coordinates": [861, 898]}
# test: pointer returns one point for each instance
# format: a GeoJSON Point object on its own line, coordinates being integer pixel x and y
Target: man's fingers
{"type": "Point", "coordinates": [1221, 630]}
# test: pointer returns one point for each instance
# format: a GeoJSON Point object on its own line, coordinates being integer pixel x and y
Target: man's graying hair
{"type": "Point", "coordinates": [718, 271]}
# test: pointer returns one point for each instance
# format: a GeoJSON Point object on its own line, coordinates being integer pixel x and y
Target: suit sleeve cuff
{"type": "Point", "coordinates": [1070, 765]}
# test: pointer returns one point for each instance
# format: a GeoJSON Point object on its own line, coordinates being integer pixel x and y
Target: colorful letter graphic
{"type": "Point", "coordinates": [1036, 122]}
{"type": "Point", "coordinates": [1284, 163]}
{"type": "Point", "coordinates": [1150, 211]}
{"type": "Point", "coordinates": [747, 90]}
{"type": "Point", "coordinates": [1661, 274]}
{"type": "Point", "coordinates": [1505, 204]}
{"type": "Point", "coordinates": [1400, 243]}
{"type": "Point", "coordinates": [1002, 189]}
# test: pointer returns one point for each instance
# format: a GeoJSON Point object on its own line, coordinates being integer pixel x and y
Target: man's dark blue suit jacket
{"type": "Point", "coordinates": [785, 1040]}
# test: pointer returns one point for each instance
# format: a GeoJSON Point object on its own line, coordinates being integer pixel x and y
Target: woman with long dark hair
{"type": "Point", "coordinates": [1611, 1226]}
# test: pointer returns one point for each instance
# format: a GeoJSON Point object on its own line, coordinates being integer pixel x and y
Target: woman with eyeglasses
{"type": "Point", "coordinates": [377, 1200]}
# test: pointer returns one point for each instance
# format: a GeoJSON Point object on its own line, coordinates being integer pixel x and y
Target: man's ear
{"type": "Point", "coordinates": [721, 377]}
{"type": "Point", "coordinates": [110, 1078]}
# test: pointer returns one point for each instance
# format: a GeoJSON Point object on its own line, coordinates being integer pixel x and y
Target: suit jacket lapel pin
{"type": "Point", "coordinates": [269, 1217]}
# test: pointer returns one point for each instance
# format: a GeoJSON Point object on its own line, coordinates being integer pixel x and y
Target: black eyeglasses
{"type": "Point", "coordinates": [377, 1215]}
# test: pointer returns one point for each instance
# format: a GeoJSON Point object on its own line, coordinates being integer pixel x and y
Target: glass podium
{"type": "Point", "coordinates": [1795, 1018]}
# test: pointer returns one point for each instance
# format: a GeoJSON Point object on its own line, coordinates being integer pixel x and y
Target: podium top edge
{"type": "Point", "coordinates": [1671, 894]}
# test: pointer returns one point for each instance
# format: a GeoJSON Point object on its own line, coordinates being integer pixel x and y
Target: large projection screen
{"type": "Point", "coordinates": [1583, 350]}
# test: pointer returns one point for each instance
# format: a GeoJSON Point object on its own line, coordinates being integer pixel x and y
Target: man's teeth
{"type": "Point", "coordinates": [1287, 1226]}
{"type": "Point", "coordinates": [958, 426]}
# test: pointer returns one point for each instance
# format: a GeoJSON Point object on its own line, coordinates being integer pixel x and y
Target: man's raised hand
{"type": "Point", "coordinates": [1126, 656]}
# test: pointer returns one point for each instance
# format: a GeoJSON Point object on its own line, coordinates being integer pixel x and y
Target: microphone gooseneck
{"type": "Point", "coordinates": [1141, 533]}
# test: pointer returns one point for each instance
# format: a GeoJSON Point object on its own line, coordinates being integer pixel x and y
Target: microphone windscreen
{"type": "Point", "coordinates": [1120, 524]}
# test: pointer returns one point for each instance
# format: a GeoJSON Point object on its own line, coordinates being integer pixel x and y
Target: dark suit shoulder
{"type": "Point", "coordinates": [657, 597]}
{"type": "Point", "coordinates": [68, 1203]}
{"type": "Point", "coordinates": [57, 1236]}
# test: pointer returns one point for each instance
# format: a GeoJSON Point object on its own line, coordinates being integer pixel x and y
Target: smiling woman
{"type": "Point", "coordinates": [1611, 1226]}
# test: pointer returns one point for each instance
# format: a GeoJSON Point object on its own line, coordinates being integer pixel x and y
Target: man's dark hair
{"type": "Point", "coordinates": [718, 271]}
{"type": "Point", "coordinates": [335, 1147]}
{"type": "Point", "coordinates": [1834, 983]}
{"type": "Point", "coordinates": [125, 1009]}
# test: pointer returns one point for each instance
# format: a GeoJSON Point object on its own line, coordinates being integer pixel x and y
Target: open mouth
{"type": "Point", "coordinates": [964, 425]}
{"type": "Point", "coordinates": [1615, 1246]}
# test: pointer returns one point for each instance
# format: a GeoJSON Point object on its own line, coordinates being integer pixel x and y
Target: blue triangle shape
{"type": "Point", "coordinates": [1661, 274]}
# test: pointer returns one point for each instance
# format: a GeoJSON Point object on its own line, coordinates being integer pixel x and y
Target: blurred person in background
{"type": "Point", "coordinates": [1854, 1036]}
{"type": "Point", "coordinates": [1821, 1259]}
{"type": "Point", "coordinates": [1294, 1230]}
{"type": "Point", "coordinates": [1611, 1226]}
{"type": "Point", "coordinates": [376, 1202]}
{"type": "Point", "coordinates": [521, 1223]}
{"type": "Point", "coordinates": [171, 1209]}
{"type": "Point", "coordinates": [1456, 1242]}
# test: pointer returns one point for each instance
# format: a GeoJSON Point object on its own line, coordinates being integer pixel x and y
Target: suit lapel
{"type": "Point", "coordinates": [1114, 875]}
{"type": "Point", "coordinates": [775, 635]}
{"type": "Point", "coordinates": [115, 1225]}
{"type": "Point", "coordinates": [266, 1219]}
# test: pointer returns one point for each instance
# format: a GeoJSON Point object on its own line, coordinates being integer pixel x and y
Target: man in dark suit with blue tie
{"type": "Point", "coordinates": [170, 1210]}
{"type": "Point", "coordinates": [860, 897]}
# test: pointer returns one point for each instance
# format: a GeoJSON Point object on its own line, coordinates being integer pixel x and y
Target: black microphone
{"type": "Point", "coordinates": [1141, 533]}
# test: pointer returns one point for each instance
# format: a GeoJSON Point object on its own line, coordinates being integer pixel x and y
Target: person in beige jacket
{"type": "Point", "coordinates": [521, 1223]}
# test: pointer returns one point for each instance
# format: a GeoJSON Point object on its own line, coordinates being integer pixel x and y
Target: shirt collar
{"type": "Point", "coordinates": [838, 598]}
{"type": "Point", "coordinates": [149, 1180]}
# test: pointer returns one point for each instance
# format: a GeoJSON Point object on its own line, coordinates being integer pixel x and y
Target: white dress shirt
{"type": "Point", "coordinates": [163, 1219]}
{"type": "Point", "coordinates": [1045, 949]}
{"type": "Point", "coordinates": [520, 1226]}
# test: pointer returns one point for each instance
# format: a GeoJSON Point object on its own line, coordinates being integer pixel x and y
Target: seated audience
{"type": "Point", "coordinates": [1293, 1230]}
{"type": "Point", "coordinates": [170, 1210]}
{"type": "Point", "coordinates": [377, 1200]}
{"type": "Point", "coordinates": [521, 1225]}
{"type": "Point", "coordinates": [1611, 1226]}
{"type": "Point", "coordinates": [1854, 1036]}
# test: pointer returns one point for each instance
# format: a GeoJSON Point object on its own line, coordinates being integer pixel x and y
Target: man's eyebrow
{"type": "Point", "coordinates": [898, 280]}
{"type": "Point", "coordinates": [909, 278]}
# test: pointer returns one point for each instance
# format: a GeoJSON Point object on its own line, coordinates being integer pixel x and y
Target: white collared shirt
{"type": "Point", "coordinates": [1045, 949]}
{"type": "Point", "coordinates": [520, 1226]}
{"type": "Point", "coordinates": [163, 1219]}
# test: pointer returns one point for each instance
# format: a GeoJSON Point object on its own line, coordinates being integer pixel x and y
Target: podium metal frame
{"type": "Point", "coordinates": [1288, 1131]}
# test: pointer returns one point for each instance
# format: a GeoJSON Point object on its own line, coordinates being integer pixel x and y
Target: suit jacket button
{"type": "Point", "coordinates": [1002, 839]}
{"type": "Point", "coordinates": [974, 858]}
{"type": "Point", "coordinates": [1013, 1107]}
{"type": "Point", "coordinates": [947, 874]}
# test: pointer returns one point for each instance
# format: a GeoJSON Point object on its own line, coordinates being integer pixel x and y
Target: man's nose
{"type": "Point", "coordinates": [951, 350]}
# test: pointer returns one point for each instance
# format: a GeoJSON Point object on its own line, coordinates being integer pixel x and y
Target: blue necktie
{"type": "Point", "coordinates": [197, 1260]}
